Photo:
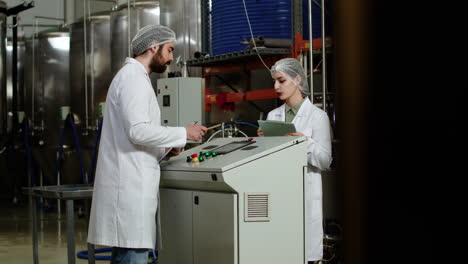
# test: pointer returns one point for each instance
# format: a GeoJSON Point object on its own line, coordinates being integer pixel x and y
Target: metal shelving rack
{"type": "Point", "coordinates": [247, 60]}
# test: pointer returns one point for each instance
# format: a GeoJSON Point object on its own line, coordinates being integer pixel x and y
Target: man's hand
{"type": "Point", "coordinates": [195, 132]}
{"type": "Point", "coordinates": [174, 152]}
{"type": "Point", "coordinates": [260, 132]}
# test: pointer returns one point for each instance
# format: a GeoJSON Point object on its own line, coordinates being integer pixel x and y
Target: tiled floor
{"type": "Point", "coordinates": [16, 235]}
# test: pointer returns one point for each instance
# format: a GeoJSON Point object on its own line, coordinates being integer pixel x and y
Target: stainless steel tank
{"type": "Point", "coordinates": [185, 18]}
{"type": "Point", "coordinates": [20, 76]}
{"type": "Point", "coordinates": [3, 99]}
{"type": "Point", "coordinates": [89, 84]}
{"type": "Point", "coordinates": [48, 90]}
{"type": "Point", "coordinates": [50, 82]}
{"type": "Point", "coordinates": [125, 23]}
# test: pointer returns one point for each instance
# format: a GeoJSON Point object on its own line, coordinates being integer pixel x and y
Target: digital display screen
{"type": "Point", "coordinates": [232, 146]}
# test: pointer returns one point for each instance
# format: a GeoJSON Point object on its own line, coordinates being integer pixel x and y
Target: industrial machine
{"type": "Point", "coordinates": [237, 201]}
{"type": "Point", "coordinates": [181, 100]}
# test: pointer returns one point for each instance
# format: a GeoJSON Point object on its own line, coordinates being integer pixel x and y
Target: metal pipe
{"type": "Point", "coordinates": [311, 54]}
{"type": "Point", "coordinates": [128, 29]}
{"type": "Point", "coordinates": [33, 81]}
{"type": "Point", "coordinates": [14, 75]}
{"type": "Point", "coordinates": [39, 25]}
{"type": "Point", "coordinates": [49, 18]}
{"type": "Point", "coordinates": [91, 62]}
{"type": "Point", "coordinates": [65, 11]}
{"type": "Point", "coordinates": [109, 1]}
{"type": "Point", "coordinates": [85, 64]}
{"type": "Point", "coordinates": [70, 233]}
{"type": "Point", "coordinates": [324, 61]}
{"type": "Point", "coordinates": [304, 62]}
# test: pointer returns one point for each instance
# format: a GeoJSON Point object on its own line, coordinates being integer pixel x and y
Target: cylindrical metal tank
{"type": "Point", "coordinates": [185, 18]}
{"type": "Point", "coordinates": [20, 77]}
{"type": "Point", "coordinates": [50, 82]}
{"type": "Point", "coordinates": [3, 100]}
{"type": "Point", "coordinates": [47, 91]}
{"type": "Point", "coordinates": [89, 84]}
{"type": "Point", "coordinates": [141, 13]}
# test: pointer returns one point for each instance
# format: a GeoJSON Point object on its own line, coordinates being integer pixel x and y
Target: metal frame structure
{"type": "Point", "coordinates": [69, 193]}
{"type": "Point", "coordinates": [247, 60]}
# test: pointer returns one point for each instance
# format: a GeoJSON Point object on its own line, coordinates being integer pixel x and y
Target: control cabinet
{"type": "Point", "coordinates": [235, 201]}
{"type": "Point", "coordinates": [181, 100]}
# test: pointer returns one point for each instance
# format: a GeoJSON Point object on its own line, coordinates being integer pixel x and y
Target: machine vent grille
{"type": "Point", "coordinates": [257, 207]}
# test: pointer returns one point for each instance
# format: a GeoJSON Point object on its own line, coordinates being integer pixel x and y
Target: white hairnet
{"type": "Point", "coordinates": [149, 36]}
{"type": "Point", "coordinates": [291, 68]}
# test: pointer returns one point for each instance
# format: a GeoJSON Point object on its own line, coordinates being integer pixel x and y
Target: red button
{"type": "Point", "coordinates": [194, 155]}
{"type": "Point", "coordinates": [250, 139]}
{"type": "Point", "coordinates": [165, 86]}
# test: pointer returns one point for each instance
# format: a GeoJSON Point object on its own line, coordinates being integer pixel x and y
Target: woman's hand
{"type": "Point", "coordinates": [295, 134]}
{"type": "Point", "coordinates": [260, 132]}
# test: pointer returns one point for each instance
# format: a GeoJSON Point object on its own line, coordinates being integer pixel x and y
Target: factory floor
{"type": "Point", "coordinates": [16, 235]}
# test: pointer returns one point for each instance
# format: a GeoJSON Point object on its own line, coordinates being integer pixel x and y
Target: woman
{"type": "Point", "coordinates": [310, 121]}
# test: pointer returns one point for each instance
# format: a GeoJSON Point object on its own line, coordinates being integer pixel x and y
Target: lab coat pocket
{"type": "Point", "coordinates": [150, 184]}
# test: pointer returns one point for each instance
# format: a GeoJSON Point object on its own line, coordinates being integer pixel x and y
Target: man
{"type": "Point", "coordinates": [125, 197]}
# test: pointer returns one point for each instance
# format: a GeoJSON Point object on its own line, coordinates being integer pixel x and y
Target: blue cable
{"type": "Point", "coordinates": [78, 148]}
{"type": "Point", "coordinates": [84, 254]}
{"type": "Point", "coordinates": [245, 123]}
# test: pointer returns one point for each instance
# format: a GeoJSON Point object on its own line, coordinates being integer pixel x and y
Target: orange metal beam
{"type": "Point", "coordinates": [235, 97]}
{"type": "Point", "coordinates": [261, 95]}
{"type": "Point", "coordinates": [240, 97]}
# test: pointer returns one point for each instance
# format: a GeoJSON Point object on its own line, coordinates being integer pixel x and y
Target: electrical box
{"type": "Point", "coordinates": [181, 100]}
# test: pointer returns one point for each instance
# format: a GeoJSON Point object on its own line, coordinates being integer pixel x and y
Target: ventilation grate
{"type": "Point", "coordinates": [257, 207]}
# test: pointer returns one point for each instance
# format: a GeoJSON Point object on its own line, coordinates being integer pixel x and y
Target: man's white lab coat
{"type": "Point", "coordinates": [126, 186]}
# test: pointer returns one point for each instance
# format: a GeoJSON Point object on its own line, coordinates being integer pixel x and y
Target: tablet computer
{"type": "Point", "coordinates": [272, 128]}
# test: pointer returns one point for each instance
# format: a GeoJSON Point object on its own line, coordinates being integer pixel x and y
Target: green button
{"type": "Point", "coordinates": [201, 159]}
{"type": "Point", "coordinates": [213, 154]}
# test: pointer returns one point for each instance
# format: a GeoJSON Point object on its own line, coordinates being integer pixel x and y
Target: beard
{"type": "Point", "coordinates": [158, 65]}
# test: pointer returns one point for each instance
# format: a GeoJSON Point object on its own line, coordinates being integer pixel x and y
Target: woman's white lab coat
{"type": "Point", "coordinates": [126, 186]}
{"type": "Point", "coordinates": [313, 123]}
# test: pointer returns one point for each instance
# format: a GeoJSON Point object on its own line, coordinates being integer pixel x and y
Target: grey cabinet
{"type": "Point", "coordinates": [198, 227]}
